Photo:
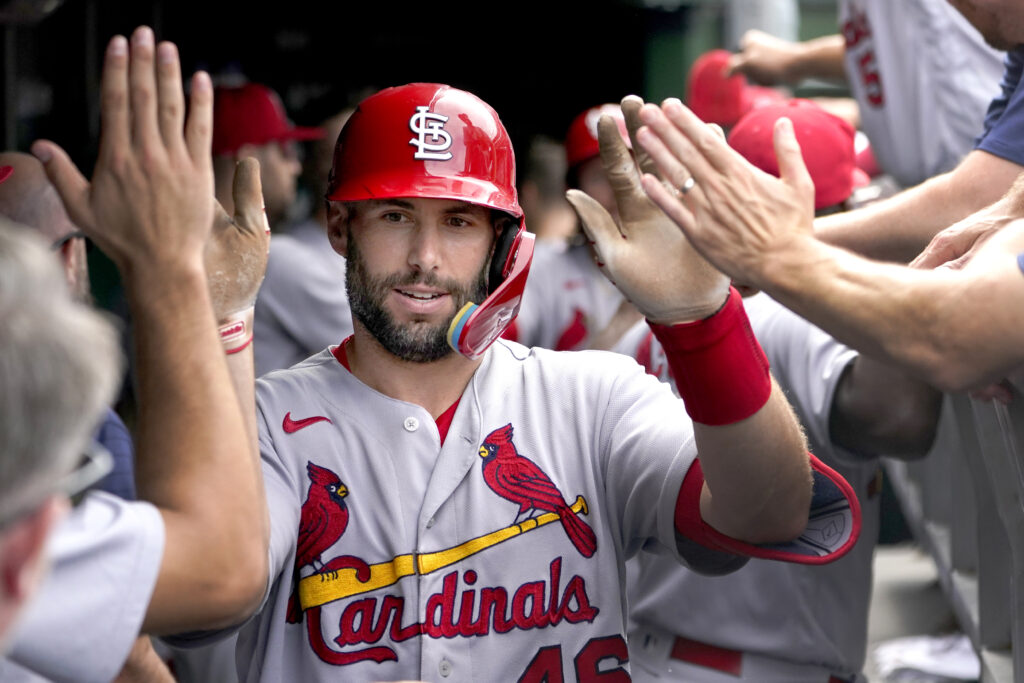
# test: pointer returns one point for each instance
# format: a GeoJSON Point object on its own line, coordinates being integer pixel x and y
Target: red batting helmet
{"type": "Point", "coordinates": [433, 141]}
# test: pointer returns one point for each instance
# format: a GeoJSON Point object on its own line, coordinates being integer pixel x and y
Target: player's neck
{"type": "Point", "coordinates": [435, 386]}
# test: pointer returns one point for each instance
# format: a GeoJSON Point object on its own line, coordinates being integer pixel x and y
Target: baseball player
{"type": "Point", "coordinates": [772, 621]}
{"type": "Point", "coordinates": [568, 305]}
{"type": "Point", "coordinates": [464, 515]}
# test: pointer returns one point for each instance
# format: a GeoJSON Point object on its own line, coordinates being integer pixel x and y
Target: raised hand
{"type": "Point", "coordinates": [150, 204]}
{"type": "Point", "coordinates": [236, 253]}
{"type": "Point", "coordinates": [738, 216]}
{"type": "Point", "coordinates": [645, 256]}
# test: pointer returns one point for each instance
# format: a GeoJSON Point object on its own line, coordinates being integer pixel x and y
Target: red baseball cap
{"type": "Point", "coordinates": [5, 172]}
{"type": "Point", "coordinates": [581, 139]}
{"type": "Point", "coordinates": [252, 114]}
{"type": "Point", "coordinates": [716, 98]}
{"type": "Point", "coordinates": [826, 142]}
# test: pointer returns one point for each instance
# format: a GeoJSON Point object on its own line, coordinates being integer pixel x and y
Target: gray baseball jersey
{"type": "Point", "coordinates": [302, 305]}
{"type": "Point", "coordinates": [87, 613]}
{"type": "Point", "coordinates": [494, 554]}
{"type": "Point", "coordinates": [567, 300]}
{"type": "Point", "coordinates": [803, 623]}
{"type": "Point", "coordinates": [923, 78]}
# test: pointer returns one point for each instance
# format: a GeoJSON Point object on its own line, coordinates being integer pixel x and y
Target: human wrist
{"type": "Point", "coordinates": [721, 372]}
{"type": "Point", "coordinates": [235, 330]}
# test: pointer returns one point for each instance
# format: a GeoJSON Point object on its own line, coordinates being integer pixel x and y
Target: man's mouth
{"type": "Point", "coordinates": [420, 296]}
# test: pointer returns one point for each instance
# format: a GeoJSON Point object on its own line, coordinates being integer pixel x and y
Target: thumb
{"type": "Point", "coordinates": [247, 194]}
{"type": "Point", "coordinates": [597, 223]}
{"type": "Point", "coordinates": [69, 182]}
{"type": "Point", "coordinates": [792, 169]}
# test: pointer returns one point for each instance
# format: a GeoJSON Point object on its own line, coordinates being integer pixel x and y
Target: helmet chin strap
{"type": "Point", "coordinates": [477, 326]}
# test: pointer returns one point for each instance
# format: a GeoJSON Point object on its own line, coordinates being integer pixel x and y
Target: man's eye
{"type": "Point", "coordinates": [393, 217]}
{"type": "Point", "coordinates": [457, 222]}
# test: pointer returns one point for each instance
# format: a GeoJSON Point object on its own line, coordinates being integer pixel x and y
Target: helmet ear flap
{"type": "Point", "coordinates": [501, 258]}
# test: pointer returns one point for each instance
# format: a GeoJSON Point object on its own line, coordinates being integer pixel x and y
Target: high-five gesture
{"type": "Point", "coordinates": [737, 215]}
{"type": "Point", "coordinates": [185, 264]}
{"type": "Point", "coordinates": [645, 255]}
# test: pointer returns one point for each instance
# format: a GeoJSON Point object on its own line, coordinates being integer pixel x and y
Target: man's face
{"type": "Point", "coordinates": [1000, 22]}
{"type": "Point", "coordinates": [412, 265]}
{"type": "Point", "coordinates": [279, 171]}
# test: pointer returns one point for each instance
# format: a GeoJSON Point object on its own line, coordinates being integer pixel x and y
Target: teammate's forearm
{"type": "Point", "coordinates": [819, 58]}
{"type": "Point", "coordinates": [954, 329]}
{"type": "Point", "coordinates": [898, 228]}
{"type": "Point", "coordinates": [194, 454]}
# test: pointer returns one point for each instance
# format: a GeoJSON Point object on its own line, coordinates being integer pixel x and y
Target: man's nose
{"type": "Point", "coordinates": [425, 250]}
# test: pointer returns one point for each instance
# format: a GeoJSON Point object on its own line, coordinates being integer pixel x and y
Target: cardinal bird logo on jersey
{"type": "Point", "coordinates": [324, 519]}
{"type": "Point", "coordinates": [519, 479]}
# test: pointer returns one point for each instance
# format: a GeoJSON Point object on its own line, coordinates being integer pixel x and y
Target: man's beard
{"type": "Point", "coordinates": [416, 342]}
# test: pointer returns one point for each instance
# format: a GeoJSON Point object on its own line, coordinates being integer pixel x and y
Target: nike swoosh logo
{"type": "Point", "coordinates": [291, 426]}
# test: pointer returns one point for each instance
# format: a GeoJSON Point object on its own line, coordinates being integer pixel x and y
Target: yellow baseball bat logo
{"type": "Point", "coordinates": [319, 589]}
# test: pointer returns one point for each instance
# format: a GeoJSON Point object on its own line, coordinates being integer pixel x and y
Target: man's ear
{"type": "Point", "coordinates": [22, 556]}
{"type": "Point", "coordinates": [337, 226]}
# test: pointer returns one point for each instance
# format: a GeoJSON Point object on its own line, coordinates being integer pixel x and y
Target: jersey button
{"type": "Point", "coordinates": [445, 668]}
{"type": "Point", "coordinates": [430, 522]}
{"type": "Point", "coordinates": [411, 424]}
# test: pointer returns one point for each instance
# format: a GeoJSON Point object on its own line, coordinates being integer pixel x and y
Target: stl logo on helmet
{"type": "Point", "coordinates": [427, 124]}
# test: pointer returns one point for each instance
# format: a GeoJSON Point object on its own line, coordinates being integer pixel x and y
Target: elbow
{"type": "Point", "coordinates": [239, 592]}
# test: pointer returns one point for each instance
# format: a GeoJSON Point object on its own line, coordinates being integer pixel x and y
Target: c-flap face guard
{"type": "Point", "coordinates": [476, 327]}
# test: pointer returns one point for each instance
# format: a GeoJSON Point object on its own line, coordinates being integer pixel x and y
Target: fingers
{"type": "Point", "coordinates": [671, 152]}
{"type": "Point", "coordinates": [631, 106]}
{"type": "Point", "coordinates": [171, 109]}
{"type": "Point", "coordinates": [199, 127]}
{"type": "Point", "coordinates": [247, 194]}
{"type": "Point", "coordinates": [792, 168]}
{"type": "Point", "coordinates": [70, 184]}
{"type": "Point", "coordinates": [707, 143]}
{"type": "Point", "coordinates": [619, 168]}
{"type": "Point", "coordinates": [141, 79]}
{"type": "Point", "coordinates": [115, 121]}
{"type": "Point", "coordinates": [600, 227]}
{"type": "Point", "coordinates": [668, 202]}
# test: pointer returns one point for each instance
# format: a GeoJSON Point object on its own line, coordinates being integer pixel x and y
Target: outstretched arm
{"type": "Point", "coordinates": [150, 207]}
{"type": "Point", "coordinates": [956, 329]}
{"type": "Point", "coordinates": [768, 60]}
{"type": "Point", "coordinates": [757, 480]}
{"type": "Point", "coordinates": [898, 228]}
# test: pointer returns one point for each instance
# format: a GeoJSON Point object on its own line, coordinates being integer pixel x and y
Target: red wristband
{"type": "Point", "coordinates": [236, 331]}
{"type": "Point", "coordinates": [721, 371]}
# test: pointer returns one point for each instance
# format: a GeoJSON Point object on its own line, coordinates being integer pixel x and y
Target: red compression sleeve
{"type": "Point", "coordinates": [721, 371]}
